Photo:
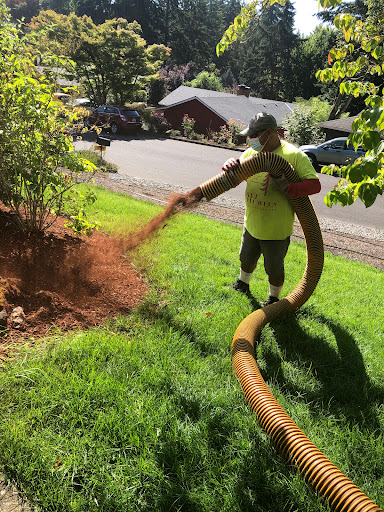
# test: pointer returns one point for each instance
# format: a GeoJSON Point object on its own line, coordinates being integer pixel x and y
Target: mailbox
{"type": "Point", "coordinates": [103, 141]}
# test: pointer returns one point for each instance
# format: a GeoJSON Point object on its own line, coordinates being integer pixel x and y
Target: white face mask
{"type": "Point", "coordinates": [256, 144]}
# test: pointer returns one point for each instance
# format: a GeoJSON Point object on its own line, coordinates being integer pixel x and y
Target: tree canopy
{"type": "Point", "coordinates": [112, 60]}
{"type": "Point", "coordinates": [266, 54]}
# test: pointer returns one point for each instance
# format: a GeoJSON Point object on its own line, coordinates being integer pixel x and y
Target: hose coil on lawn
{"type": "Point", "coordinates": [318, 471]}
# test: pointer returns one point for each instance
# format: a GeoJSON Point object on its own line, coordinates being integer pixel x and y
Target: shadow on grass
{"type": "Point", "coordinates": [345, 388]}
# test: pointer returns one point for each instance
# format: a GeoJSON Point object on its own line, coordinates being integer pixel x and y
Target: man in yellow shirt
{"type": "Point", "coordinates": [269, 216]}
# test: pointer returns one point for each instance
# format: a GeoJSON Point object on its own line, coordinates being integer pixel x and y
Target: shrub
{"type": "Point", "coordinates": [188, 127]}
{"type": "Point", "coordinates": [236, 127]}
{"type": "Point", "coordinates": [223, 136]}
{"type": "Point", "coordinates": [300, 128]}
{"type": "Point", "coordinates": [35, 145]}
{"type": "Point", "coordinates": [206, 80]}
{"type": "Point", "coordinates": [157, 123]}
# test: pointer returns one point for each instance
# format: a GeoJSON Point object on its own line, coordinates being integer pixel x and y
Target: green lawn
{"type": "Point", "coordinates": [145, 414]}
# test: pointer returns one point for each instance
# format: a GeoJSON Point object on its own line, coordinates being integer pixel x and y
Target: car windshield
{"type": "Point", "coordinates": [130, 113]}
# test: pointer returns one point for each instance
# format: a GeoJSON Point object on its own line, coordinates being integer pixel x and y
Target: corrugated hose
{"type": "Point", "coordinates": [318, 471]}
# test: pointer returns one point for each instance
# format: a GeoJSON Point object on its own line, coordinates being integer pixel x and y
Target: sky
{"type": "Point", "coordinates": [305, 21]}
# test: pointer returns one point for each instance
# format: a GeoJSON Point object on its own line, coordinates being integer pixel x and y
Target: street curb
{"type": "Point", "coordinates": [202, 143]}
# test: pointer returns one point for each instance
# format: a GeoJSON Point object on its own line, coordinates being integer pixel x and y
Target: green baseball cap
{"type": "Point", "coordinates": [258, 123]}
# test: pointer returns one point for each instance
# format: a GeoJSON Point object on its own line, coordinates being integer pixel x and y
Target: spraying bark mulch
{"type": "Point", "coordinates": [59, 281]}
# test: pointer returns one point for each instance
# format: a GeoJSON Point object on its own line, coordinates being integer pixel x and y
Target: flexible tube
{"type": "Point", "coordinates": [318, 471]}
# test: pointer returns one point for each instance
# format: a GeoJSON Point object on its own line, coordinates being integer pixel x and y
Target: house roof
{"type": "Point", "coordinates": [341, 125]}
{"type": "Point", "coordinates": [183, 93]}
{"type": "Point", "coordinates": [229, 106]}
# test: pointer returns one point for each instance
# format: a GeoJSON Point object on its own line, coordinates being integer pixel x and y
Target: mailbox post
{"type": "Point", "coordinates": [102, 143]}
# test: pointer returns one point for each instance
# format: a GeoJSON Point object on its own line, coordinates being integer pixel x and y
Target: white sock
{"type": "Point", "coordinates": [275, 291]}
{"type": "Point", "coordinates": [245, 276]}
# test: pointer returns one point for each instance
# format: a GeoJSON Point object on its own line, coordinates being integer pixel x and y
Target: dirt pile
{"type": "Point", "coordinates": [62, 280]}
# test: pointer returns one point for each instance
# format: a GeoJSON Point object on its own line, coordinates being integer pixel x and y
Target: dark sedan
{"type": "Point", "coordinates": [115, 119]}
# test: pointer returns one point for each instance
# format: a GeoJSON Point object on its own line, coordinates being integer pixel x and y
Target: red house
{"type": "Point", "coordinates": [213, 109]}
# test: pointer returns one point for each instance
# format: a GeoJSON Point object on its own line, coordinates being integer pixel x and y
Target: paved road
{"type": "Point", "coordinates": [187, 165]}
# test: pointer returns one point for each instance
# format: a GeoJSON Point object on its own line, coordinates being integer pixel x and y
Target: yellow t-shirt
{"type": "Point", "coordinates": [268, 212]}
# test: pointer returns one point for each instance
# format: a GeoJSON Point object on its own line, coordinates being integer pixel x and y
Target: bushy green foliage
{"type": "Point", "coordinates": [300, 127]}
{"type": "Point", "coordinates": [236, 126]}
{"type": "Point", "coordinates": [223, 136]}
{"type": "Point", "coordinates": [155, 122]}
{"type": "Point", "coordinates": [355, 62]}
{"type": "Point", "coordinates": [320, 109]}
{"type": "Point", "coordinates": [228, 134]}
{"type": "Point", "coordinates": [206, 80]}
{"type": "Point", "coordinates": [34, 143]}
{"type": "Point", "coordinates": [112, 60]}
{"type": "Point", "coordinates": [188, 126]}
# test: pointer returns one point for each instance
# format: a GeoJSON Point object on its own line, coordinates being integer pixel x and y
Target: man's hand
{"type": "Point", "coordinates": [281, 183]}
{"type": "Point", "coordinates": [230, 164]}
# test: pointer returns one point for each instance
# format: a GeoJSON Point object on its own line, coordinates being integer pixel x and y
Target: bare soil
{"type": "Point", "coordinates": [62, 282]}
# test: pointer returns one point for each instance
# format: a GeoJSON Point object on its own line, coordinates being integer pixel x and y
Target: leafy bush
{"type": "Point", "coordinates": [156, 123]}
{"type": "Point", "coordinates": [236, 126]}
{"type": "Point", "coordinates": [35, 145]}
{"type": "Point", "coordinates": [206, 80]}
{"type": "Point", "coordinates": [188, 127]}
{"type": "Point", "coordinates": [223, 136]}
{"type": "Point", "coordinates": [300, 127]}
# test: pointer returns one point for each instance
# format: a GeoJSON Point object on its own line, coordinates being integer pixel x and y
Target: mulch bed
{"type": "Point", "coordinates": [62, 281]}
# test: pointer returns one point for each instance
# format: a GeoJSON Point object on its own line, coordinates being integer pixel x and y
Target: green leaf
{"type": "Point", "coordinates": [367, 192]}
{"type": "Point", "coordinates": [370, 169]}
{"type": "Point", "coordinates": [329, 3]}
{"type": "Point", "coordinates": [371, 139]}
{"type": "Point", "coordinates": [377, 52]}
{"type": "Point", "coordinates": [363, 169]}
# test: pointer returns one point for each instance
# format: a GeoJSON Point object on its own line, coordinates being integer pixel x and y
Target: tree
{"type": "Point", "coordinates": [34, 143]}
{"type": "Point", "coordinates": [112, 60]}
{"type": "Point", "coordinates": [23, 9]}
{"type": "Point", "coordinates": [357, 8]}
{"type": "Point", "coordinates": [360, 55]}
{"type": "Point", "coordinates": [311, 54]}
{"type": "Point", "coordinates": [206, 80]}
{"type": "Point", "coordinates": [266, 54]}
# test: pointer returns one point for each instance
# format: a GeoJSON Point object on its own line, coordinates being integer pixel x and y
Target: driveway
{"type": "Point", "coordinates": [187, 165]}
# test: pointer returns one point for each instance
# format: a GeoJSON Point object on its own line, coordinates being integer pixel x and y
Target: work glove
{"type": "Point", "coordinates": [281, 183]}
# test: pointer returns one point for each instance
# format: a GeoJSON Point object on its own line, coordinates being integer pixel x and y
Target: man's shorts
{"type": "Point", "coordinates": [274, 252]}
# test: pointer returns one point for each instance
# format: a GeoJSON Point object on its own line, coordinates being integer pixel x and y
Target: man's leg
{"type": "Point", "coordinates": [274, 252]}
{"type": "Point", "coordinates": [249, 254]}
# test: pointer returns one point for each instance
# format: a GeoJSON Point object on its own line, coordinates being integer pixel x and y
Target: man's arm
{"type": "Point", "coordinates": [301, 189]}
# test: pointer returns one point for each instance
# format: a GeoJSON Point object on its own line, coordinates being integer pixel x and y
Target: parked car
{"type": "Point", "coordinates": [115, 119]}
{"type": "Point", "coordinates": [334, 151]}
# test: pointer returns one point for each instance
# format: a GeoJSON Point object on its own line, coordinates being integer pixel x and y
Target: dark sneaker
{"type": "Point", "coordinates": [241, 287]}
{"type": "Point", "coordinates": [271, 299]}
